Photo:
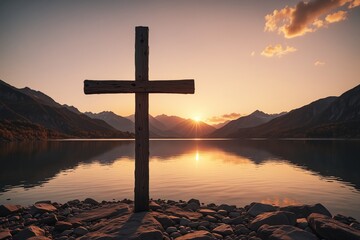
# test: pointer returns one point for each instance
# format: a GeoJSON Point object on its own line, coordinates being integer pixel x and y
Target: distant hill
{"type": "Point", "coordinates": [254, 119]}
{"type": "Point", "coordinates": [169, 121]}
{"type": "Point", "coordinates": [332, 117]}
{"type": "Point", "coordinates": [28, 114]}
{"type": "Point", "coordinates": [114, 120]}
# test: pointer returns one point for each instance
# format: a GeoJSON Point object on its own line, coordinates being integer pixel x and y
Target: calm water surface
{"type": "Point", "coordinates": [237, 172]}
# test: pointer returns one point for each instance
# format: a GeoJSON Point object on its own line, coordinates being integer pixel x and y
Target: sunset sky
{"type": "Point", "coordinates": [271, 55]}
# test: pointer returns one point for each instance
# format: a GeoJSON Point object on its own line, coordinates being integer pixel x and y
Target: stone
{"type": "Point", "coordinates": [258, 208]}
{"type": "Point", "coordinates": [355, 225]}
{"type": "Point", "coordinates": [226, 220]}
{"type": "Point", "coordinates": [184, 222]}
{"type": "Point", "coordinates": [171, 229]}
{"type": "Point", "coordinates": [237, 220]}
{"type": "Point", "coordinates": [51, 219]}
{"type": "Point", "coordinates": [217, 236]}
{"type": "Point", "coordinates": [91, 201]}
{"type": "Point", "coordinates": [223, 229]}
{"type": "Point", "coordinates": [302, 223]}
{"type": "Point", "coordinates": [195, 201]}
{"type": "Point", "coordinates": [222, 212]}
{"type": "Point", "coordinates": [234, 214]}
{"type": "Point", "coordinates": [303, 211]}
{"type": "Point", "coordinates": [192, 206]}
{"type": "Point", "coordinates": [206, 211]}
{"type": "Point", "coordinates": [203, 228]}
{"type": "Point", "coordinates": [284, 232]}
{"type": "Point", "coordinates": [40, 208]}
{"type": "Point", "coordinates": [30, 231]}
{"type": "Point", "coordinates": [164, 220]}
{"type": "Point", "coordinates": [5, 234]}
{"type": "Point", "coordinates": [210, 218]}
{"type": "Point", "coordinates": [175, 235]}
{"type": "Point", "coordinates": [228, 208]}
{"type": "Point", "coordinates": [197, 235]}
{"type": "Point", "coordinates": [331, 229]}
{"type": "Point", "coordinates": [67, 232]}
{"type": "Point", "coordinates": [176, 211]}
{"type": "Point", "coordinates": [154, 206]}
{"type": "Point", "coordinates": [273, 218]}
{"type": "Point", "coordinates": [62, 226]}
{"type": "Point", "coordinates": [80, 231]}
{"type": "Point", "coordinates": [8, 209]}
{"type": "Point", "coordinates": [152, 234]}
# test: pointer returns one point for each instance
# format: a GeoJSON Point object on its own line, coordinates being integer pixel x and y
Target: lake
{"type": "Point", "coordinates": [281, 172]}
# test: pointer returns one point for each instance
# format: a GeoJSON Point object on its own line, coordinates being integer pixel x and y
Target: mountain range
{"type": "Point", "coordinates": [30, 114]}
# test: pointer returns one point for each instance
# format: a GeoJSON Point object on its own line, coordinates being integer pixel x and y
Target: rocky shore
{"type": "Point", "coordinates": [183, 220]}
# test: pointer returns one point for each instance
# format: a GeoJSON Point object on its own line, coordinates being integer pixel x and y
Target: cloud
{"type": "Point", "coordinates": [277, 50]}
{"type": "Point", "coordinates": [336, 17]}
{"type": "Point", "coordinates": [307, 16]}
{"type": "Point", "coordinates": [319, 63]}
{"type": "Point", "coordinates": [253, 53]}
{"type": "Point", "coordinates": [223, 118]}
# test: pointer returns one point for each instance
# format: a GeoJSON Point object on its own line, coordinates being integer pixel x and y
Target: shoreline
{"type": "Point", "coordinates": [183, 220]}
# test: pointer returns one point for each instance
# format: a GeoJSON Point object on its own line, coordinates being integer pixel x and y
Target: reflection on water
{"type": "Point", "coordinates": [232, 171]}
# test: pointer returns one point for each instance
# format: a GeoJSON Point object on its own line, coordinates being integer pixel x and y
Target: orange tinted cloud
{"type": "Point", "coordinates": [277, 50]}
{"type": "Point", "coordinates": [336, 17]}
{"type": "Point", "coordinates": [306, 16]}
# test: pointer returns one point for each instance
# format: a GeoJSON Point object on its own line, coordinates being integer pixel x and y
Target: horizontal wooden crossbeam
{"type": "Point", "coordinates": [186, 86]}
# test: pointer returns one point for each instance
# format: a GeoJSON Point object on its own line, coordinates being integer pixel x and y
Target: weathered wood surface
{"type": "Point", "coordinates": [141, 198]}
{"type": "Point", "coordinates": [186, 86]}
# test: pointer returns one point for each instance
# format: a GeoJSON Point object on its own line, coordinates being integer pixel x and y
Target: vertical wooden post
{"type": "Point", "coordinates": [141, 121]}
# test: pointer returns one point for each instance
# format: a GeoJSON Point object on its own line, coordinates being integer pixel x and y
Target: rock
{"type": "Point", "coordinates": [8, 209]}
{"type": "Point", "coordinates": [258, 208]}
{"type": "Point", "coordinates": [154, 206]}
{"type": "Point", "coordinates": [237, 220]}
{"type": "Point", "coordinates": [175, 235]}
{"type": "Point", "coordinates": [210, 218]}
{"type": "Point", "coordinates": [73, 202]}
{"type": "Point", "coordinates": [195, 201]}
{"type": "Point", "coordinates": [80, 231]}
{"type": "Point", "coordinates": [234, 214]}
{"type": "Point", "coordinates": [5, 234]}
{"type": "Point", "coordinates": [49, 220]}
{"type": "Point", "coordinates": [197, 235]}
{"type": "Point", "coordinates": [152, 234]}
{"type": "Point", "coordinates": [171, 229]}
{"type": "Point", "coordinates": [176, 211]}
{"type": "Point", "coordinates": [30, 231]}
{"type": "Point", "coordinates": [273, 218]}
{"type": "Point", "coordinates": [355, 225]}
{"type": "Point", "coordinates": [192, 206]}
{"type": "Point", "coordinates": [228, 208]}
{"type": "Point", "coordinates": [222, 212]}
{"type": "Point", "coordinates": [91, 201]}
{"type": "Point", "coordinates": [303, 211]}
{"type": "Point", "coordinates": [206, 211]}
{"type": "Point", "coordinates": [223, 229]}
{"type": "Point", "coordinates": [40, 208]}
{"type": "Point", "coordinates": [330, 229]}
{"type": "Point", "coordinates": [284, 232]}
{"type": "Point", "coordinates": [184, 222]}
{"type": "Point", "coordinates": [62, 226]}
{"type": "Point", "coordinates": [164, 220]}
{"type": "Point", "coordinates": [66, 232]}
{"type": "Point", "coordinates": [302, 223]}
{"type": "Point", "coordinates": [226, 220]}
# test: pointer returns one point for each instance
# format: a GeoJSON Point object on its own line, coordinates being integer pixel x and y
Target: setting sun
{"type": "Point", "coordinates": [197, 119]}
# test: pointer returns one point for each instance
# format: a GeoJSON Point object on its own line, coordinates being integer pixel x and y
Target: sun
{"type": "Point", "coordinates": [197, 119]}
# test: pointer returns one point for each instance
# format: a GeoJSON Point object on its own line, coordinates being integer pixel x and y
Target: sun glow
{"type": "Point", "coordinates": [197, 119]}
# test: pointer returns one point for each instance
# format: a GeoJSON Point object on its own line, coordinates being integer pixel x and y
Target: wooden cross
{"type": "Point", "coordinates": [141, 87]}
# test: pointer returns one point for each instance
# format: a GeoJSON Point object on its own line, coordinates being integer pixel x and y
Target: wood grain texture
{"type": "Point", "coordinates": [186, 86]}
{"type": "Point", "coordinates": [141, 198]}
